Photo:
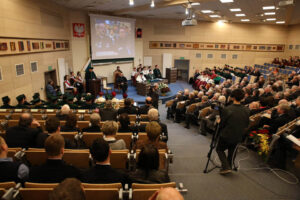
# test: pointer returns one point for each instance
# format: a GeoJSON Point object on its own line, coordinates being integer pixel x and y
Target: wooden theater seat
{"type": "Point", "coordinates": [144, 191]}
{"type": "Point", "coordinates": [69, 135]}
{"type": "Point", "coordinates": [126, 137]}
{"type": "Point", "coordinates": [118, 158]}
{"type": "Point", "coordinates": [12, 151]}
{"type": "Point", "coordinates": [7, 185]}
{"type": "Point", "coordinates": [35, 193]}
{"type": "Point", "coordinates": [102, 186]}
{"type": "Point", "coordinates": [40, 185]}
{"type": "Point", "coordinates": [89, 138]}
{"type": "Point", "coordinates": [82, 124]}
{"type": "Point", "coordinates": [103, 194]}
{"type": "Point", "coordinates": [132, 118]}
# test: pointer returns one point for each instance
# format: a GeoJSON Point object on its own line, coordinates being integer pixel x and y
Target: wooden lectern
{"type": "Point", "coordinates": [95, 87]}
{"type": "Point", "coordinates": [171, 75]}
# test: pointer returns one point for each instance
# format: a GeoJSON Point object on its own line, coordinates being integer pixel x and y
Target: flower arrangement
{"type": "Point", "coordinates": [163, 88]}
{"type": "Point", "coordinates": [261, 140]}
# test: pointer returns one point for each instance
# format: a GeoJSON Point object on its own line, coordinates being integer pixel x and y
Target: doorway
{"type": "Point", "coordinates": [183, 67]}
{"type": "Point", "coordinates": [50, 75]}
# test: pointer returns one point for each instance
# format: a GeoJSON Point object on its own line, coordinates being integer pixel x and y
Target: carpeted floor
{"type": "Point", "coordinates": [175, 87]}
{"type": "Point", "coordinates": [190, 151]}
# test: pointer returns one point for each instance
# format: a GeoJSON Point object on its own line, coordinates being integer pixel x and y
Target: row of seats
{"type": "Point", "coordinates": [81, 158]}
{"type": "Point", "coordinates": [36, 191]}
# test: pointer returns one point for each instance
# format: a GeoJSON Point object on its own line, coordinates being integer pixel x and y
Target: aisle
{"type": "Point", "coordinates": [190, 151]}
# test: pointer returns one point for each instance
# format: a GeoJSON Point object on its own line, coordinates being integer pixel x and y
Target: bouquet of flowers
{"type": "Point", "coordinates": [163, 88]}
{"type": "Point", "coordinates": [261, 140]}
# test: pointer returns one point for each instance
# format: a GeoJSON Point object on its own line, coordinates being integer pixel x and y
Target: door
{"type": "Point", "coordinates": [50, 75]}
{"type": "Point", "coordinates": [183, 67]}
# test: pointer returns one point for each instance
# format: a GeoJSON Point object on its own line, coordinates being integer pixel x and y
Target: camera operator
{"type": "Point", "coordinates": [234, 121]}
{"type": "Point", "coordinates": [208, 122]}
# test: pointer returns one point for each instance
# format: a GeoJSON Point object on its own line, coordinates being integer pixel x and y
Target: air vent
{"type": "Point", "coordinates": [34, 66]}
{"type": "Point", "coordinates": [20, 69]}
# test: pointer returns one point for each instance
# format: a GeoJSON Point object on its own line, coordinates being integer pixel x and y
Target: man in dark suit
{"type": "Point", "coordinates": [156, 72]}
{"type": "Point", "coordinates": [102, 172]}
{"type": "Point", "coordinates": [144, 109]}
{"type": "Point", "coordinates": [127, 108]}
{"type": "Point", "coordinates": [95, 124]}
{"type": "Point", "coordinates": [108, 113]}
{"type": "Point", "coordinates": [21, 101]}
{"type": "Point", "coordinates": [231, 132]}
{"type": "Point", "coordinates": [122, 82]}
{"type": "Point", "coordinates": [23, 135]}
{"type": "Point", "coordinates": [55, 169]}
{"type": "Point", "coordinates": [6, 102]}
{"type": "Point", "coordinates": [153, 93]}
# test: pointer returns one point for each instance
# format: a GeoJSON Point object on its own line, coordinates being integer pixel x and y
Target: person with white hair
{"type": "Point", "coordinates": [64, 112]}
{"type": "Point", "coordinates": [166, 194]}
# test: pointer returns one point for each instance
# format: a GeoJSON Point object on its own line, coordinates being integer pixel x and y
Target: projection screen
{"type": "Point", "coordinates": [112, 37]}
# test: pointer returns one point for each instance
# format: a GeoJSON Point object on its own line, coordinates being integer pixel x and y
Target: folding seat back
{"type": "Point", "coordinates": [69, 135]}
{"type": "Point", "coordinates": [144, 117]}
{"type": "Point", "coordinates": [102, 186]}
{"type": "Point", "coordinates": [132, 118]}
{"type": "Point", "coordinates": [36, 156]}
{"type": "Point", "coordinates": [15, 116]}
{"type": "Point", "coordinates": [144, 123]}
{"type": "Point", "coordinates": [126, 137]}
{"type": "Point", "coordinates": [118, 158]}
{"type": "Point", "coordinates": [105, 194]}
{"type": "Point", "coordinates": [12, 123]}
{"type": "Point", "coordinates": [77, 158]}
{"type": "Point", "coordinates": [7, 185]}
{"type": "Point", "coordinates": [89, 138]}
{"type": "Point", "coordinates": [12, 151]}
{"type": "Point", "coordinates": [35, 193]}
{"type": "Point", "coordinates": [40, 185]}
{"type": "Point", "coordinates": [144, 191]}
{"type": "Point", "coordinates": [82, 124]}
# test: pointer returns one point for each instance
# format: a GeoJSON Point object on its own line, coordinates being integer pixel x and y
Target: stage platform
{"type": "Point", "coordinates": [175, 87]}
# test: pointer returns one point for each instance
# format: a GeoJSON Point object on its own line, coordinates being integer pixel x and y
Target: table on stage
{"type": "Point", "coordinates": [144, 87]}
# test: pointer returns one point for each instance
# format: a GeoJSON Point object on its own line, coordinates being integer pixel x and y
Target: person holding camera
{"type": "Point", "coordinates": [234, 121]}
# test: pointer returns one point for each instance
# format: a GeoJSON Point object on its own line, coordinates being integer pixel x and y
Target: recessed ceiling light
{"type": "Point", "coordinates": [195, 4]}
{"type": "Point", "coordinates": [206, 11]}
{"type": "Point", "coordinates": [226, 1]}
{"type": "Point", "coordinates": [268, 7]}
{"type": "Point", "coordinates": [152, 5]}
{"type": "Point", "coordinates": [270, 13]}
{"type": "Point", "coordinates": [240, 15]}
{"type": "Point", "coordinates": [235, 9]}
{"type": "Point", "coordinates": [245, 20]}
{"type": "Point", "coordinates": [186, 11]}
{"type": "Point", "coordinates": [215, 16]}
{"type": "Point", "coordinates": [271, 19]}
{"type": "Point", "coordinates": [280, 22]}
{"type": "Point", "coordinates": [131, 2]}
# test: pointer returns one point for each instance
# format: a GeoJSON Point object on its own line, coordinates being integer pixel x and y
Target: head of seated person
{"type": "Point", "coordinates": [70, 189]}
{"type": "Point", "coordinates": [148, 158]}
{"type": "Point", "coordinates": [95, 119]}
{"type": "Point", "coordinates": [153, 130]}
{"type": "Point", "coordinates": [54, 146]}
{"type": "Point", "coordinates": [148, 101]}
{"type": "Point", "coordinates": [283, 108]}
{"type": "Point", "coordinates": [3, 148]}
{"type": "Point", "coordinates": [108, 104]}
{"type": "Point", "coordinates": [71, 123]}
{"type": "Point", "coordinates": [153, 114]}
{"type": "Point", "coordinates": [110, 128]}
{"type": "Point", "coordinates": [53, 125]}
{"type": "Point", "coordinates": [124, 121]}
{"type": "Point", "coordinates": [25, 120]}
{"type": "Point", "coordinates": [166, 194]}
{"type": "Point", "coordinates": [100, 151]}
{"type": "Point", "coordinates": [127, 102]}
{"type": "Point", "coordinates": [65, 109]}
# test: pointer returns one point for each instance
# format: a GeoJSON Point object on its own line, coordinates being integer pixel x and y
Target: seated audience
{"type": "Point", "coordinates": [68, 85]}
{"type": "Point", "coordinates": [153, 130]}
{"type": "Point", "coordinates": [100, 99]}
{"type": "Point", "coordinates": [71, 124]}
{"type": "Point", "coordinates": [144, 109]}
{"type": "Point", "coordinates": [109, 129]}
{"type": "Point", "coordinates": [166, 194]}
{"type": "Point", "coordinates": [102, 172]}
{"type": "Point", "coordinates": [89, 103]}
{"type": "Point", "coordinates": [21, 102]}
{"type": "Point", "coordinates": [140, 78]}
{"type": "Point", "coordinates": [128, 108]}
{"type": "Point", "coordinates": [55, 169]}
{"type": "Point", "coordinates": [108, 113]}
{"type": "Point", "coordinates": [69, 189]}
{"type": "Point", "coordinates": [64, 112]}
{"type": "Point", "coordinates": [6, 103]}
{"type": "Point", "coordinates": [23, 135]}
{"type": "Point", "coordinates": [52, 127]}
{"type": "Point", "coordinates": [94, 124]}
{"type": "Point", "coordinates": [156, 72]}
{"type": "Point", "coordinates": [148, 167]}
{"type": "Point", "coordinates": [122, 82]}
{"type": "Point", "coordinates": [124, 123]}
{"type": "Point", "coordinates": [10, 170]}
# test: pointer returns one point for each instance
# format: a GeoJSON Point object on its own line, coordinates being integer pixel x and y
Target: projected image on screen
{"type": "Point", "coordinates": [111, 37]}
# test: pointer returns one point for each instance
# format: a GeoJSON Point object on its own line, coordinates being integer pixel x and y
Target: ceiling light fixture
{"type": "Point", "coordinates": [215, 16]}
{"type": "Point", "coordinates": [131, 2]}
{"type": "Point", "coordinates": [270, 13]}
{"type": "Point", "coordinates": [245, 20]}
{"type": "Point", "coordinates": [235, 9]}
{"type": "Point", "coordinates": [240, 15]}
{"type": "Point", "coordinates": [226, 1]}
{"type": "Point", "coordinates": [152, 4]}
{"type": "Point", "coordinates": [195, 4]}
{"type": "Point", "coordinates": [268, 7]}
{"type": "Point", "coordinates": [280, 22]}
{"type": "Point", "coordinates": [206, 11]}
{"type": "Point", "coordinates": [193, 16]}
{"type": "Point", "coordinates": [271, 19]}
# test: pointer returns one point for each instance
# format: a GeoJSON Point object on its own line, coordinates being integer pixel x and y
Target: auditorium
{"type": "Point", "coordinates": [149, 99]}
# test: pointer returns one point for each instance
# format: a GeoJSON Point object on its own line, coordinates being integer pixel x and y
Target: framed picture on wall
{"type": "Point", "coordinates": [28, 46]}
{"type": "Point", "coordinates": [3, 46]}
{"type": "Point", "coordinates": [21, 45]}
{"type": "Point", "coordinates": [34, 66]}
{"type": "Point", "coordinates": [35, 46]}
